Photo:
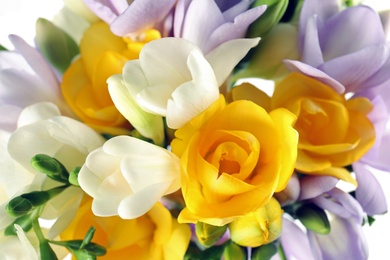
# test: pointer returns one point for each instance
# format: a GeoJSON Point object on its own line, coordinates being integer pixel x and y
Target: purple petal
{"type": "Point", "coordinates": [379, 117]}
{"type": "Point", "coordinates": [237, 29]}
{"type": "Point", "coordinates": [202, 18]}
{"type": "Point", "coordinates": [319, 75]}
{"type": "Point", "coordinates": [342, 35]}
{"type": "Point", "coordinates": [232, 12]}
{"type": "Point", "coordinates": [37, 62]}
{"type": "Point", "coordinates": [381, 77]}
{"type": "Point", "coordinates": [9, 117]}
{"type": "Point", "coordinates": [346, 240]}
{"type": "Point", "coordinates": [311, 53]}
{"type": "Point", "coordinates": [342, 204]}
{"type": "Point", "coordinates": [369, 193]}
{"type": "Point", "coordinates": [180, 13]}
{"type": "Point", "coordinates": [314, 186]}
{"type": "Point", "coordinates": [354, 69]}
{"type": "Point", "coordinates": [294, 241]}
{"type": "Point", "coordinates": [322, 9]}
{"type": "Point", "coordinates": [141, 15]}
{"type": "Point", "coordinates": [107, 10]}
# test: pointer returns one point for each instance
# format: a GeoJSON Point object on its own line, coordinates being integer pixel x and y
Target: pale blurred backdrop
{"type": "Point", "coordinates": [19, 16]}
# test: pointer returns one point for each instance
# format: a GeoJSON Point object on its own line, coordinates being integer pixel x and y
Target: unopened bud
{"type": "Point", "coordinates": [207, 234]}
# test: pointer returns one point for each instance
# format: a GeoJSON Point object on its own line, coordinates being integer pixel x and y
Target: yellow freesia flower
{"type": "Point", "coordinates": [333, 132]}
{"type": "Point", "coordinates": [84, 86]}
{"type": "Point", "coordinates": [155, 235]}
{"type": "Point", "coordinates": [259, 227]}
{"type": "Point", "coordinates": [233, 158]}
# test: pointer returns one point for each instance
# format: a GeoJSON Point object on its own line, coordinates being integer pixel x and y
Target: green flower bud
{"type": "Point", "coordinates": [233, 252]}
{"type": "Point", "coordinates": [207, 234]}
{"type": "Point", "coordinates": [18, 206]}
{"type": "Point", "coordinates": [51, 167]}
{"type": "Point", "coordinates": [313, 218]}
{"type": "Point", "coordinates": [25, 222]}
{"type": "Point", "coordinates": [265, 252]}
{"type": "Point", "coordinates": [55, 44]}
{"type": "Point", "coordinates": [271, 16]}
{"type": "Point", "coordinates": [84, 254]}
{"type": "Point", "coordinates": [73, 176]}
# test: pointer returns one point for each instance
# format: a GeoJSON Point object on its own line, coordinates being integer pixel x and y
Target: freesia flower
{"type": "Point", "coordinates": [174, 79]}
{"type": "Point", "coordinates": [84, 86]}
{"type": "Point", "coordinates": [333, 132]}
{"type": "Point", "coordinates": [128, 176]}
{"type": "Point", "coordinates": [154, 235]}
{"type": "Point", "coordinates": [259, 227]}
{"type": "Point", "coordinates": [17, 247]}
{"type": "Point", "coordinates": [63, 138]}
{"type": "Point", "coordinates": [233, 158]}
{"type": "Point", "coordinates": [25, 78]}
{"type": "Point", "coordinates": [209, 24]}
{"type": "Point", "coordinates": [349, 62]}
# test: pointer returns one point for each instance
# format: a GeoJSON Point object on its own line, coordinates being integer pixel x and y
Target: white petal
{"type": "Point", "coordinates": [192, 98]}
{"type": "Point", "coordinates": [26, 245]}
{"type": "Point", "coordinates": [147, 124]}
{"type": "Point", "coordinates": [37, 112]}
{"type": "Point", "coordinates": [141, 202]}
{"type": "Point", "coordinates": [225, 57]}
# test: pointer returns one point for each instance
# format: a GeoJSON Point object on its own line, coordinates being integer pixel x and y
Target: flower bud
{"type": "Point", "coordinates": [233, 252]}
{"type": "Point", "coordinates": [264, 252]}
{"type": "Point", "coordinates": [207, 234]}
{"type": "Point", "coordinates": [50, 166]}
{"type": "Point", "coordinates": [18, 206]}
{"type": "Point", "coordinates": [273, 14]}
{"type": "Point", "coordinates": [259, 227]}
{"type": "Point", "coordinates": [313, 218]}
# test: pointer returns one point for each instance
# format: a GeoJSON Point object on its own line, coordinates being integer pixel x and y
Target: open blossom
{"type": "Point", "coordinates": [63, 138]}
{"type": "Point", "coordinates": [340, 52]}
{"type": "Point", "coordinates": [127, 176]}
{"type": "Point", "coordinates": [172, 77]}
{"type": "Point", "coordinates": [333, 132]}
{"type": "Point", "coordinates": [84, 85]}
{"type": "Point", "coordinates": [154, 235]}
{"type": "Point", "coordinates": [25, 78]}
{"type": "Point", "coordinates": [233, 158]}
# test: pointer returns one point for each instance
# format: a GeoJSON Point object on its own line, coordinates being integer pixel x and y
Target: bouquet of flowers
{"type": "Point", "coordinates": [195, 129]}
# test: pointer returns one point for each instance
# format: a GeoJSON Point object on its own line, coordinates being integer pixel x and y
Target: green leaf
{"type": "Point", "coordinates": [265, 252]}
{"type": "Point", "coordinates": [313, 218]}
{"type": "Point", "coordinates": [2, 48]}
{"type": "Point", "coordinates": [73, 176]}
{"type": "Point", "coordinates": [55, 44]}
{"type": "Point", "coordinates": [271, 16]}
{"type": "Point", "coordinates": [207, 234]}
{"type": "Point", "coordinates": [51, 167]}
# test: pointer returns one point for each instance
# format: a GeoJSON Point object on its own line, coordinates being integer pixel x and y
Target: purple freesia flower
{"type": "Point", "coordinates": [211, 23]}
{"type": "Point", "coordinates": [26, 78]}
{"type": "Point", "coordinates": [340, 51]}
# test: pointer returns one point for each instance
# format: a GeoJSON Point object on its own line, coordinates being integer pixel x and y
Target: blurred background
{"type": "Point", "coordinates": [19, 16]}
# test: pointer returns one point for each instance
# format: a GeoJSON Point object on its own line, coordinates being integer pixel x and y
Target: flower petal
{"type": "Point", "coordinates": [313, 186]}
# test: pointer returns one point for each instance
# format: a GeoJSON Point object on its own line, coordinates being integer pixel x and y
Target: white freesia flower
{"type": "Point", "coordinates": [172, 77]}
{"type": "Point", "coordinates": [127, 176]}
{"type": "Point", "coordinates": [43, 131]}
{"type": "Point", "coordinates": [17, 247]}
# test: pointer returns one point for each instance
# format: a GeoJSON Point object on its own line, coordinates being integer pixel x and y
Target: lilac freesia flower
{"type": "Point", "coordinates": [338, 50]}
{"type": "Point", "coordinates": [208, 24]}
{"type": "Point", "coordinates": [25, 78]}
